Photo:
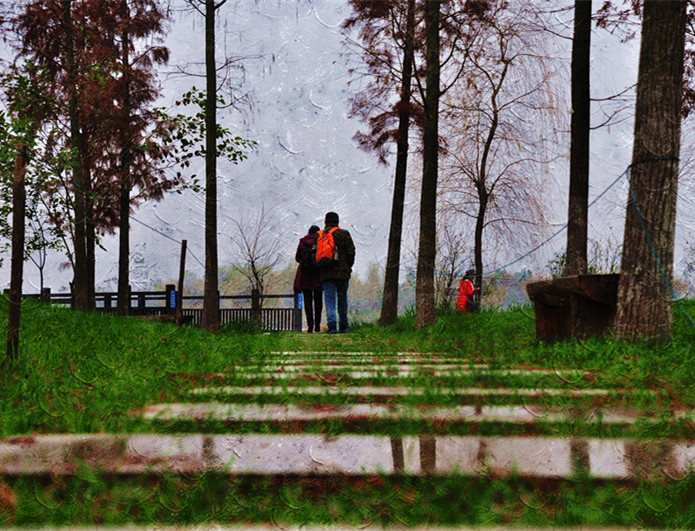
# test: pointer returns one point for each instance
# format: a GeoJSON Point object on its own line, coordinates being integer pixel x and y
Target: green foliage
{"type": "Point", "coordinates": [29, 109]}
{"type": "Point", "coordinates": [186, 133]}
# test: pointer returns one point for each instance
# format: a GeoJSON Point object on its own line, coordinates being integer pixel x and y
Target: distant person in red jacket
{"type": "Point", "coordinates": [465, 302]}
{"type": "Point", "coordinates": [308, 282]}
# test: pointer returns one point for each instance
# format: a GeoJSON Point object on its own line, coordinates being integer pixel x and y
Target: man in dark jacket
{"type": "Point", "coordinates": [336, 277]}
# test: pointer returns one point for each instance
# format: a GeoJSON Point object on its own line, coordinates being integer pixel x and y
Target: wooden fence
{"type": "Point", "coordinates": [164, 303]}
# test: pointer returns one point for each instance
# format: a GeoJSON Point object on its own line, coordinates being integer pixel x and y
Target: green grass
{"type": "Point", "coordinates": [80, 373]}
{"type": "Point", "coordinates": [351, 501]}
{"type": "Point", "coordinates": [83, 373]}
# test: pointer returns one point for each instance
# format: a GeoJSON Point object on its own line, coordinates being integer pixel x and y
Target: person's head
{"type": "Point", "coordinates": [470, 274]}
{"type": "Point", "coordinates": [331, 218]}
{"type": "Point", "coordinates": [313, 229]}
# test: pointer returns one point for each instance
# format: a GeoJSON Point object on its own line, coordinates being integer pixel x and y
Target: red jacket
{"type": "Point", "coordinates": [465, 293]}
{"type": "Point", "coordinates": [305, 281]}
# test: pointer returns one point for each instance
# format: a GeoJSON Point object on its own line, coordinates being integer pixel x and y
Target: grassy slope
{"type": "Point", "coordinates": [82, 373]}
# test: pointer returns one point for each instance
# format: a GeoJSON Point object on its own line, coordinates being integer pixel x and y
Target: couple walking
{"type": "Point", "coordinates": [329, 282]}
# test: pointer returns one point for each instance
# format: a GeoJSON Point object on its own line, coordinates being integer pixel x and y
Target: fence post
{"type": "Point", "coordinates": [256, 306]}
{"type": "Point", "coordinates": [297, 312]}
{"type": "Point", "coordinates": [107, 301]}
{"type": "Point", "coordinates": [45, 294]}
{"type": "Point", "coordinates": [182, 272]}
{"type": "Point", "coordinates": [170, 302]}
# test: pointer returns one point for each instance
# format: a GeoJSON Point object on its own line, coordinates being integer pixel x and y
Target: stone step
{"type": "Point", "coordinates": [401, 391]}
{"type": "Point", "coordinates": [615, 459]}
{"type": "Point", "coordinates": [308, 412]}
{"type": "Point", "coordinates": [362, 362]}
{"type": "Point", "coordinates": [366, 357]}
{"type": "Point", "coordinates": [288, 357]}
{"type": "Point", "coordinates": [395, 371]}
{"type": "Point", "coordinates": [363, 354]}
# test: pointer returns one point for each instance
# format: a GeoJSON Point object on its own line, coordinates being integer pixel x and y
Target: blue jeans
{"type": "Point", "coordinates": [335, 293]}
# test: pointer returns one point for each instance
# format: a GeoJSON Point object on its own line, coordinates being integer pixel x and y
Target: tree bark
{"type": "Point", "coordinates": [123, 302]}
{"type": "Point", "coordinates": [211, 300]}
{"type": "Point", "coordinates": [389, 304]}
{"type": "Point", "coordinates": [90, 234]}
{"type": "Point", "coordinates": [644, 296]}
{"type": "Point", "coordinates": [17, 271]}
{"type": "Point", "coordinates": [80, 281]}
{"type": "Point", "coordinates": [424, 287]}
{"type": "Point", "coordinates": [483, 199]}
{"type": "Point", "coordinates": [577, 215]}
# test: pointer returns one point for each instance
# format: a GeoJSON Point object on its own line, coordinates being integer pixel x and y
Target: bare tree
{"type": "Point", "coordinates": [644, 300]}
{"type": "Point", "coordinates": [452, 261]}
{"type": "Point", "coordinates": [258, 250]}
{"type": "Point", "coordinates": [495, 151]}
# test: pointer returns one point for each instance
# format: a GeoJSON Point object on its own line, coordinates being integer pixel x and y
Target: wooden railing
{"type": "Point", "coordinates": [164, 303]}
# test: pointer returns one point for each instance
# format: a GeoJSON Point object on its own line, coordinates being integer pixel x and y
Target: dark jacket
{"type": "Point", "coordinates": [346, 256]}
{"type": "Point", "coordinates": [305, 281]}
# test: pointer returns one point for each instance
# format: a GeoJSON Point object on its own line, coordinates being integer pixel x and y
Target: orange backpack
{"type": "Point", "coordinates": [326, 253]}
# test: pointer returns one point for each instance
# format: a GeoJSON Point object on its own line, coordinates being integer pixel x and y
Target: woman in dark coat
{"type": "Point", "coordinates": [309, 283]}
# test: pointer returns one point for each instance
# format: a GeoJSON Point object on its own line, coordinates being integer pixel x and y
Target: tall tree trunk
{"type": "Point", "coordinates": [211, 300]}
{"type": "Point", "coordinates": [481, 182]}
{"type": "Point", "coordinates": [389, 304]}
{"type": "Point", "coordinates": [80, 281]}
{"type": "Point", "coordinates": [17, 266]}
{"type": "Point", "coordinates": [483, 198]}
{"type": "Point", "coordinates": [644, 299]}
{"type": "Point", "coordinates": [577, 215]}
{"type": "Point", "coordinates": [91, 258]}
{"type": "Point", "coordinates": [424, 286]}
{"type": "Point", "coordinates": [123, 303]}
{"type": "Point", "coordinates": [90, 233]}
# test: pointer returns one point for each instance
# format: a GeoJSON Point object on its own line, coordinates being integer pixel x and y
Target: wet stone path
{"type": "Point", "coordinates": [509, 419]}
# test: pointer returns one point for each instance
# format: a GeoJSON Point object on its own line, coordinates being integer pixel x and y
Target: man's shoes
{"type": "Point", "coordinates": [343, 330]}
{"type": "Point", "coordinates": [334, 331]}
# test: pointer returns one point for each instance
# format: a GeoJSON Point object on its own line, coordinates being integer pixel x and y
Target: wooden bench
{"type": "Point", "coordinates": [574, 307]}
